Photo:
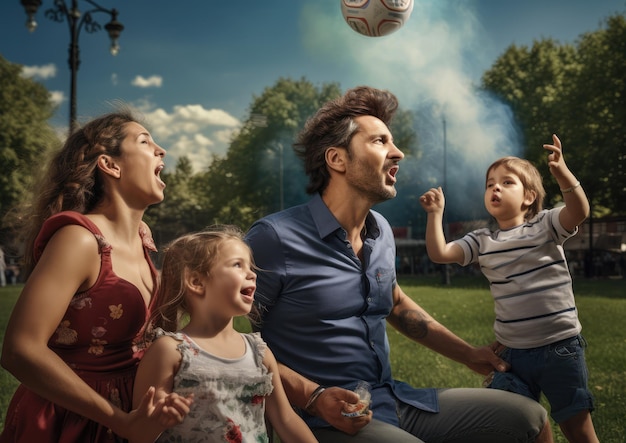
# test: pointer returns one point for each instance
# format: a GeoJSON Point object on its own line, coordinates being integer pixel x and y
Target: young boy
{"type": "Point", "coordinates": [536, 317]}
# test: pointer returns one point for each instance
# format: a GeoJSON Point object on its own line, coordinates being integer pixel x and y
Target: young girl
{"type": "Point", "coordinates": [536, 316]}
{"type": "Point", "coordinates": [72, 337]}
{"type": "Point", "coordinates": [208, 277]}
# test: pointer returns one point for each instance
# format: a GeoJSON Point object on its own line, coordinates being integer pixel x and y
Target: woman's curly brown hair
{"type": "Point", "coordinates": [72, 181]}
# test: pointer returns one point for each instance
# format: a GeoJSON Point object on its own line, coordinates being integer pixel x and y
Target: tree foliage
{"type": "Point", "coordinates": [181, 210]}
{"type": "Point", "coordinates": [25, 135]}
{"type": "Point", "coordinates": [577, 92]}
{"type": "Point", "coordinates": [260, 173]}
{"type": "Point", "coordinates": [600, 126]}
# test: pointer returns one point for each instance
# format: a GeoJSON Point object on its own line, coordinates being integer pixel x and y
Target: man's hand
{"type": "Point", "coordinates": [330, 405]}
{"type": "Point", "coordinates": [485, 360]}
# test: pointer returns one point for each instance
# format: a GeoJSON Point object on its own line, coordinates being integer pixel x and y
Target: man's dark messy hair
{"type": "Point", "coordinates": [334, 126]}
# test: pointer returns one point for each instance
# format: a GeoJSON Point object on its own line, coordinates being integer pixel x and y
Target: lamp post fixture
{"type": "Point", "coordinates": [76, 21]}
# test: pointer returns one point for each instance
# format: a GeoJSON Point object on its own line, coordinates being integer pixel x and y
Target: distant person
{"type": "Point", "coordinates": [207, 279]}
{"type": "Point", "coordinates": [524, 261]}
{"type": "Point", "coordinates": [327, 290]}
{"type": "Point", "coordinates": [74, 334]}
{"type": "Point", "coordinates": [13, 273]}
{"type": "Point", "coordinates": [3, 269]}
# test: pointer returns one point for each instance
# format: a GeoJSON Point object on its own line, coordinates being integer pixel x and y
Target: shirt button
{"type": "Point", "coordinates": [372, 344]}
{"type": "Point", "coordinates": [369, 299]}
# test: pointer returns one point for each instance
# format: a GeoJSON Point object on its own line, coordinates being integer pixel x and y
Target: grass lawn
{"type": "Point", "coordinates": [466, 308]}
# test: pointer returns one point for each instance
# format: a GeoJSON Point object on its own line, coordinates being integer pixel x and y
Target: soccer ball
{"type": "Point", "coordinates": [376, 18]}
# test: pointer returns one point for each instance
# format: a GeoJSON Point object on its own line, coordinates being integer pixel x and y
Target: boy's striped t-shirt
{"type": "Point", "coordinates": [529, 280]}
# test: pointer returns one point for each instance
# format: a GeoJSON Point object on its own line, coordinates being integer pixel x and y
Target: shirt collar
{"type": "Point", "coordinates": [327, 223]}
{"type": "Point", "coordinates": [324, 219]}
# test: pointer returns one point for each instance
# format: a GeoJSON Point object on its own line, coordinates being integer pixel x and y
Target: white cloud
{"type": "Point", "coordinates": [57, 97]}
{"type": "Point", "coordinates": [40, 72]}
{"type": "Point", "coordinates": [190, 130]}
{"type": "Point", "coordinates": [154, 81]}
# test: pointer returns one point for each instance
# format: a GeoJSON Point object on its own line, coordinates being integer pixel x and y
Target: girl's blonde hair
{"type": "Point", "coordinates": [194, 252]}
{"type": "Point", "coordinates": [530, 178]}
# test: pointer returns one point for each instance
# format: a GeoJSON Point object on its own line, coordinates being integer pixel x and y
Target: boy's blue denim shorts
{"type": "Point", "coordinates": [558, 370]}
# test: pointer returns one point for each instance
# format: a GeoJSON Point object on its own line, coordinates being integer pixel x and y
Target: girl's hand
{"type": "Point", "coordinates": [172, 409]}
{"type": "Point", "coordinates": [147, 422]}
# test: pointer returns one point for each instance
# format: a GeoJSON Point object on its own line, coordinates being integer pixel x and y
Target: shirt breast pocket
{"type": "Point", "coordinates": [380, 298]}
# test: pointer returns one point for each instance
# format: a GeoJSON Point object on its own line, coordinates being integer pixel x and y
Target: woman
{"type": "Point", "coordinates": [72, 339]}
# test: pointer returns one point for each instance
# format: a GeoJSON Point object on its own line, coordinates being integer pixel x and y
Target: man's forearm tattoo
{"type": "Point", "coordinates": [414, 324]}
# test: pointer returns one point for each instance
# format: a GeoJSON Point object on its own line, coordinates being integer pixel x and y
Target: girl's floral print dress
{"type": "Point", "coordinates": [229, 394]}
{"type": "Point", "coordinates": [99, 337]}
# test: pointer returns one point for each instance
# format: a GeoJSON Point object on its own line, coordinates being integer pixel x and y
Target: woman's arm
{"type": "Point", "coordinates": [70, 262]}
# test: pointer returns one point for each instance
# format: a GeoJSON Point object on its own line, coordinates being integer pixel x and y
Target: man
{"type": "Point", "coordinates": [327, 288]}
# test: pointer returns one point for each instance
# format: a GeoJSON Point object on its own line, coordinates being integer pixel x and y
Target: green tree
{"type": "Point", "coordinates": [25, 135]}
{"type": "Point", "coordinates": [181, 210]}
{"type": "Point", "coordinates": [598, 115]}
{"type": "Point", "coordinates": [578, 93]}
{"type": "Point", "coordinates": [260, 173]}
{"type": "Point", "coordinates": [536, 82]}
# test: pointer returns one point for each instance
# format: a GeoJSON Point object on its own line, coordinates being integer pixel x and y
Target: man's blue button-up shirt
{"type": "Point", "coordinates": [323, 310]}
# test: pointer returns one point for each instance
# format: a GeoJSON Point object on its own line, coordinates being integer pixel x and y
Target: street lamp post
{"type": "Point", "coordinates": [281, 190]}
{"type": "Point", "coordinates": [76, 21]}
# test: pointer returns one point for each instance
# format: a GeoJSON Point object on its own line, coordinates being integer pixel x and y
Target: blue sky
{"type": "Point", "coordinates": [193, 66]}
